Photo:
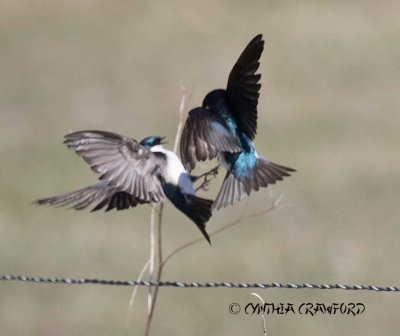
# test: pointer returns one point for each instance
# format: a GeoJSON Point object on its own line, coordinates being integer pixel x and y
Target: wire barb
{"type": "Point", "coordinates": [180, 284]}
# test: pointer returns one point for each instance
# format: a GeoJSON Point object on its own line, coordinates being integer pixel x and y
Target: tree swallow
{"type": "Point", "coordinates": [225, 127]}
{"type": "Point", "coordinates": [132, 173]}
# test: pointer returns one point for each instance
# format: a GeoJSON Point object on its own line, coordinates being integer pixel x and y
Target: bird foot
{"type": "Point", "coordinates": [206, 178]}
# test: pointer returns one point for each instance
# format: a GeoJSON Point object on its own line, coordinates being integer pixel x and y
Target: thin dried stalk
{"type": "Point", "coordinates": [152, 297]}
{"type": "Point", "coordinates": [152, 256]}
{"type": "Point", "coordinates": [154, 293]}
{"type": "Point", "coordinates": [133, 297]}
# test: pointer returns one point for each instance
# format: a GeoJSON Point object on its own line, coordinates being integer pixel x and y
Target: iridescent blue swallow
{"type": "Point", "coordinates": [225, 126]}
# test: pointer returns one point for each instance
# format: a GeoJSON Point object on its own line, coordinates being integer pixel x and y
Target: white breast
{"type": "Point", "coordinates": [175, 173]}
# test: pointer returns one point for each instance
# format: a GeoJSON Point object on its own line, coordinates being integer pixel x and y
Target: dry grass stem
{"type": "Point", "coordinates": [152, 297]}
{"type": "Point", "coordinates": [133, 297]}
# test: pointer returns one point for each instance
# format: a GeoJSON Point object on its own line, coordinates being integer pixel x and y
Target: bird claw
{"type": "Point", "coordinates": [203, 185]}
{"type": "Point", "coordinates": [206, 178]}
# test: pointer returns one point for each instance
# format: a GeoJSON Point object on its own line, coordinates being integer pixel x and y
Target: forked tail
{"type": "Point", "coordinates": [196, 208]}
{"type": "Point", "coordinates": [234, 188]}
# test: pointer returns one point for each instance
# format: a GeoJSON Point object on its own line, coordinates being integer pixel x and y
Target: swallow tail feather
{"type": "Point", "coordinates": [199, 211]}
{"type": "Point", "coordinates": [196, 208]}
{"type": "Point", "coordinates": [263, 173]}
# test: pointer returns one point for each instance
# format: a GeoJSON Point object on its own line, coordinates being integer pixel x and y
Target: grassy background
{"type": "Point", "coordinates": [329, 107]}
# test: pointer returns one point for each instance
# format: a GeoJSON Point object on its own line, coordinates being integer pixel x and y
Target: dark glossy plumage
{"type": "Point", "coordinates": [210, 138]}
{"type": "Point", "coordinates": [243, 87]}
{"type": "Point", "coordinates": [225, 127]}
{"type": "Point", "coordinates": [207, 133]}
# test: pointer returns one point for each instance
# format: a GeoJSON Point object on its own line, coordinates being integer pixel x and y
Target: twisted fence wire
{"type": "Point", "coordinates": [179, 284]}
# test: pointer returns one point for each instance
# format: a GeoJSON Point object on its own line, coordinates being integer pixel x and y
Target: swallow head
{"type": "Point", "coordinates": [152, 141]}
{"type": "Point", "coordinates": [214, 99]}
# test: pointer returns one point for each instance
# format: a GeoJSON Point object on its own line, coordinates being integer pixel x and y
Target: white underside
{"type": "Point", "coordinates": [175, 173]}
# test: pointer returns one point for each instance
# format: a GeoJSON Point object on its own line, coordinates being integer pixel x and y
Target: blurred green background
{"type": "Point", "coordinates": [329, 107]}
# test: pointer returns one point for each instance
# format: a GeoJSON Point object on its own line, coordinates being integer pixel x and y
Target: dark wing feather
{"type": "Point", "coordinates": [203, 137]}
{"type": "Point", "coordinates": [234, 187]}
{"type": "Point", "coordinates": [79, 199]}
{"type": "Point", "coordinates": [121, 161]}
{"type": "Point", "coordinates": [243, 87]}
{"type": "Point", "coordinates": [99, 194]}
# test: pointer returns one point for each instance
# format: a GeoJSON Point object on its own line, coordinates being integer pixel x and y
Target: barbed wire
{"type": "Point", "coordinates": [179, 284]}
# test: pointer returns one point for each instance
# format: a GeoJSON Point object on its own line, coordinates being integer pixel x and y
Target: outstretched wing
{"type": "Point", "coordinates": [243, 87]}
{"type": "Point", "coordinates": [203, 137]}
{"type": "Point", "coordinates": [99, 194]}
{"type": "Point", "coordinates": [122, 162]}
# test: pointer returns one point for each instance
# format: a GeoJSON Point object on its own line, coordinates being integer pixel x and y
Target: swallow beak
{"type": "Point", "coordinates": [163, 141]}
